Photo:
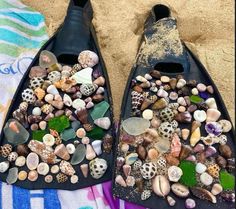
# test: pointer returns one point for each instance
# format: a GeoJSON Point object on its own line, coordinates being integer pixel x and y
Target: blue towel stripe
{"type": "Point", "coordinates": [0, 194]}
{"type": "Point", "coordinates": [51, 200]}
{"type": "Point", "coordinates": [19, 40]}
{"type": "Point", "coordinates": [32, 19]}
{"type": "Point", "coordinates": [21, 198]}
{"type": "Point", "coordinates": [36, 195]}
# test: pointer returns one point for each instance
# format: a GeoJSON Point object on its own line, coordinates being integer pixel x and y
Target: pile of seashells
{"type": "Point", "coordinates": [170, 142]}
{"type": "Point", "coordinates": [62, 126]}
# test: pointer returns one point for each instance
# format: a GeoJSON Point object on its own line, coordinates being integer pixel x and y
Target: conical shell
{"type": "Point", "coordinates": [67, 168]}
{"type": "Point", "coordinates": [62, 152]}
{"type": "Point", "coordinates": [195, 137]}
{"type": "Point", "coordinates": [90, 154]}
{"type": "Point", "coordinates": [119, 180]}
{"type": "Point", "coordinates": [126, 170]}
{"type": "Point", "coordinates": [104, 122]}
{"type": "Point", "coordinates": [84, 169]}
{"type": "Point", "coordinates": [185, 133]}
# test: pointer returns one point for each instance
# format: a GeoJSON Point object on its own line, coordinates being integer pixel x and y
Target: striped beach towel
{"type": "Point", "coordinates": [22, 33]}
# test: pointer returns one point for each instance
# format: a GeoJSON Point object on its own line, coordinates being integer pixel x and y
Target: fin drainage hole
{"type": "Point", "coordinates": [169, 67]}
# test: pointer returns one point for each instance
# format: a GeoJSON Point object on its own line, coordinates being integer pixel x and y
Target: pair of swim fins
{"type": "Point", "coordinates": [163, 65]}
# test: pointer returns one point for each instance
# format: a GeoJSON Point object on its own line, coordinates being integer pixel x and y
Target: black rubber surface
{"type": "Point", "coordinates": [193, 69]}
{"type": "Point", "coordinates": [66, 43]}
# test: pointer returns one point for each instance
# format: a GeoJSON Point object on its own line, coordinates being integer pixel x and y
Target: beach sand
{"type": "Point", "coordinates": [206, 26]}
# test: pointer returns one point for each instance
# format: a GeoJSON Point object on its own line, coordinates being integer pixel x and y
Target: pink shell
{"type": "Point", "coordinates": [175, 145]}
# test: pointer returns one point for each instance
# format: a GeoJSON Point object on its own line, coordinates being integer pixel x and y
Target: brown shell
{"type": "Point", "coordinates": [6, 149]}
{"type": "Point", "coordinates": [213, 170]}
{"type": "Point", "coordinates": [61, 178]}
{"type": "Point", "coordinates": [82, 115]}
{"type": "Point", "coordinates": [107, 143]}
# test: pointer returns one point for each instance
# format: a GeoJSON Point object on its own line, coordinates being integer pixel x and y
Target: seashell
{"type": "Point", "coordinates": [195, 125]}
{"type": "Point", "coordinates": [49, 98]}
{"type": "Point", "coordinates": [70, 148]}
{"type": "Point", "coordinates": [65, 74]}
{"type": "Point", "coordinates": [194, 91]}
{"type": "Point", "coordinates": [199, 148]}
{"type": "Point", "coordinates": [162, 93]}
{"type": "Point", "coordinates": [32, 161]}
{"type": "Point", "coordinates": [55, 169]}
{"type": "Point", "coordinates": [173, 82]}
{"type": "Point", "coordinates": [78, 103]}
{"type": "Point", "coordinates": [201, 87]}
{"type": "Point", "coordinates": [139, 183]}
{"type": "Point", "coordinates": [213, 115]}
{"type": "Point", "coordinates": [165, 79]}
{"type": "Point", "coordinates": [74, 179]}
{"type": "Point", "coordinates": [210, 151]}
{"type": "Point", "coordinates": [138, 89]}
{"type": "Point", "coordinates": [213, 128]}
{"type": "Point", "coordinates": [4, 166]}
{"type": "Point", "coordinates": [221, 161]}
{"type": "Point", "coordinates": [225, 151]}
{"type": "Point", "coordinates": [160, 104]}
{"type": "Point", "coordinates": [103, 123]}
{"type": "Point", "coordinates": [37, 71]}
{"type": "Point", "coordinates": [100, 81]}
{"type": "Point", "coordinates": [89, 105]}
{"type": "Point", "coordinates": [192, 108]}
{"type": "Point", "coordinates": [107, 143]}
{"type": "Point", "coordinates": [52, 90]}
{"type": "Point", "coordinates": [161, 186]}
{"type": "Point", "coordinates": [141, 79]}
{"type": "Point", "coordinates": [155, 122]}
{"type": "Point", "coordinates": [76, 67]}
{"type": "Point", "coordinates": [225, 125]}
{"type": "Point", "coordinates": [190, 203]}
{"type": "Point", "coordinates": [28, 96]}
{"type": "Point", "coordinates": [43, 169]}
{"type": "Point", "coordinates": [47, 108]}
{"type": "Point", "coordinates": [185, 133]}
{"type": "Point", "coordinates": [82, 115]}
{"type": "Point", "coordinates": [84, 169]}
{"type": "Point", "coordinates": [67, 100]}
{"type": "Point", "coordinates": [181, 101]}
{"type": "Point", "coordinates": [80, 133]}
{"type": "Point", "coordinates": [88, 58]}
{"type": "Point", "coordinates": [100, 90]}
{"type": "Point", "coordinates": [145, 194]}
{"type": "Point", "coordinates": [47, 59]}
{"type": "Point", "coordinates": [22, 175]}
{"type": "Point", "coordinates": [46, 84]}
{"type": "Point", "coordinates": [153, 154]}
{"type": "Point", "coordinates": [222, 139]}
{"type": "Point", "coordinates": [201, 157]}
{"type": "Point", "coordinates": [148, 76]}
{"type": "Point", "coordinates": [12, 156]}
{"type": "Point", "coordinates": [191, 158]}
{"type": "Point", "coordinates": [186, 150]}
{"type": "Point", "coordinates": [23, 107]}
{"type": "Point", "coordinates": [173, 95]}
{"type": "Point", "coordinates": [200, 115]}
{"type": "Point", "coordinates": [126, 170]}
{"type": "Point", "coordinates": [228, 196]}
{"type": "Point", "coordinates": [88, 89]}
{"type": "Point", "coordinates": [183, 117]}
{"type": "Point", "coordinates": [120, 162]}
{"type": "Point", "coordinates": [62, 152]}
{"type": "Point", "coordinates": [180, 190]}
{"type": "Point", "coordinates": [148, 170]}
{"type": "Point", "coordinates": [45, 152]}
{"type": "Point", "coordinates": [211, 103]}
{"type": "Point", "coordinates": [147, 114]}
{"type": "Point", "coordinates": [61, 178]}
{"type": "Point", "coordinates": [57, 104]}
{"type": "Point", "coordinates": [175, 146]}
{"type": "Point", "coordinates": [203, 194]}
{"type": "Point", "coordinates": [155, 74]}
{"type": "Point", "coordinates": [206, 179]}
{"type": "Point", "coordinates": [120, 180]}
{"type": "Point", "coordinates": [161, 162]}
{"type": "Point", "coordinates": [174, 173]}
{"type": "Point", "coordinates": [54, 76]}
{"type": "Point", "coordinates": [166, 130]}
{"type": "Point", "coordinates": [66, 168]}
{"type": "Point", "coordinates": [33, 175]}
{"type": "Point", "coordinates": [181, 83]}
{"type": "Point", "coordinates": [98, 98]}
{"type": "Point", "coordinates": [20, 161]}
{"type": "Point", "coordinates": [195, 137]}
{"type": "Point", "coordinates": [40, 93]}
{"type": "Point", "coordinates": [90, 154]}
{"type": "Point", "coordinates": [213, 170]}
{"type": "Point", "coordinates": [36, 82]}
{"type": "Point", "coordinates": [49, 116]}
{"type": "Point", "coordinates": [231, 165]}
{"type": "Point", "coordinates": [172, 160]}
{"type": "Point", "coordinates": [6, 149]}
{"type": "Point", "coordinates": [166, 114]}
{"type": "Point", "coordinates": [48, 140]}
{"type": "Point", "coordinates": [170, 201]}
{"type": "Point", "coordinates": [85, 140]}
{"type": "Point", "coordinates": [22, 150]}
{"type": "Point", "coordinates": [200, 168]}
{"type": "Point", "coordinates": [216, 189]}
{"type": "Point", "coordinates": [153, 89]}
{"type": "Point", "coordinates": [97, 167]}
{"type": "Point", "coordinates": [136, 100]}
{"type": "Point", "coordinates": [142, 153]}
{"type": "Point", "coordinates": [36, 111]}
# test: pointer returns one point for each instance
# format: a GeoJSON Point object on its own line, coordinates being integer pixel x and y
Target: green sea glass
{"type": "Point", "coordinates": [99, 110]}
{"type": "Point", "coordinates": [15, 133]}
{"type": "Point", "coordinates": [196, 99]}
{"type": "Point", "coordinates": [38, 135]}
{"type": "Point", "coordinates": [189, 173]}
{"type": "Point", "coordinates": [68, 134]}
{"type": "Point", "coordinates": [78, 155]}
{"type": "Point", "coordinates": [59, 123]}
{"type": "Point", "coordinates": [96, 133]}
{"type": "Point", "coordinates": [227, 180]}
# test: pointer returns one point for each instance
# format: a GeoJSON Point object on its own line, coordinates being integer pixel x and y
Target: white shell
{"type": "Point", "coordinates": [52, 90]}
{"type": "Point", "coordinates": [49, 140]}
{"type": "Point", "coordinates": [48, 98]}
{"type": "Point", "coordinates": [174, 173]}
{"type": "Point", "coordinates": [216, 189]}
{"type": "Point", "coordinates": [211, 103]}
{"type": "Point", "coordinates": [55, 169]}
{"type": "Point", "coordinates": [67, 100]}
{"type": "Point", "coordinates": [74, 179]}
{"type": "Point", "coordinates": [83, 76]}
{"type": "Point", "coordinates": [70, 148]}
{"type": "Point", "coordinates": [20, 161]}
{"type": "Point", "coordinates": [36, 111]}
{"type": "Point", "coordinates": [104, 122]}
{"type": "Point", "coordinates": [200, 168]}
{"type": "Point", "coordinates": [88, 58]}
{"type": "Point", "coordinates": [4, 166]}
{"type": "Point", "coordinates": [32, 161]}
{"type": "Point", "coordinates": [78, 103]}
{"type": "Point", "coordinates": [97, 146]}
{"type": "Point", "coordinates": [100, 168]}
{"type": "Point", "coordinates": [43, 169]}
{"type": "Point", "coordinates": [200, 115]}
{"type": "Point", "coordinates": [147, 114]}
{"type": "Point", "coordinates": [206, 179]}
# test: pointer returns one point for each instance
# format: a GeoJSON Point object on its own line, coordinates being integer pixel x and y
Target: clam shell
{"type": "Point", "coordinates": [161, 186]}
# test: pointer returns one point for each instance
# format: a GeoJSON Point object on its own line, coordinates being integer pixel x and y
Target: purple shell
{"type": "Point", "coordinates": [204, 95]}
{"type": "Point", "coordinates": [213, 128]}
{"type": "Point", "coordinates": [96, 72]}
